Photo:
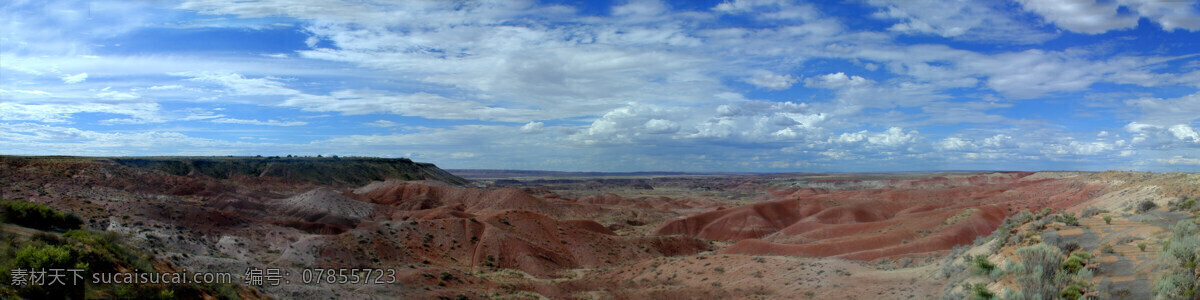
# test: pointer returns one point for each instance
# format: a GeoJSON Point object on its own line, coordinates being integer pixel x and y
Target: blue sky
{"type": "Point", "coordinates": [757, 85]}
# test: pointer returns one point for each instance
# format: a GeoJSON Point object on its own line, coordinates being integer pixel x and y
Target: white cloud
{"type": "Point", "coordinates": [1179, 160]}
{"type": "Point", "coordinates": [28, 138]}
{"type": "Point", "coordinates": [999, 141]}
{"type": "Point", "coordinates": [241, 85]}
{"type": "Point", "coordinates": [837, 80]}
{"type": "Point", "coordinates": [640, 8]}
{"type": "Point", "coordinates": [852, 137]}
{"type": "Point", "coordinates": [108, 93]}
{"type": "Point", "coordinates": [768, 9]}
{"type": "Point", "coordinates": [257, 122]}
{"type": "Point", "coordinates": [359, 102]}
{"type": "Point", "coordinates": [201, 116]}
{"type": "Point", "coordinates": [954, 144]}
{"type": "Point", "coordinates": [746, 5]}
{"type": "Point", "coordinates": [768, 80]}
{"type": "Point", "coordinates": [1184, 133]}
{"type": "Point", "coordinates": [383, 124]}
{"type": "Point", "coordinates": [1084, 16]}
{"type": "Point", "coordinates": [73, 79]}
{"type": "Point", "coordinates": [142, 112]}
{"type": "Point", "coordinates": [893, 137]}
{"type": "Point", "coordinates": [1095, 17]}
{"type": "Point", "coordinates": [1090, 148]}
{"type": "Point", "coordinates": [532, 127]}
{"type": "Point", "coordinates": [660, 126]}
{"type": "Point", "coordinates": [1165, 112]}
{"type": "Point", "coordinates": [966, 20]}
{"type": "Point", "coordinates": [165, 87]}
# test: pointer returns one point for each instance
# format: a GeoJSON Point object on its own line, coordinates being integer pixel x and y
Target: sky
{"type": "Point", "coordinates": [732, 86]}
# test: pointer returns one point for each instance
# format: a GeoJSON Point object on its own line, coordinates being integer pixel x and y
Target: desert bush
{"type": "Point", "coordinates": [1108, 220]}
{"type": "Point", "coordinates": [949, 267]}
{"type": "Point", "coordinates": [1021, 218]}
{"type": "Point", "coordinates": [1089, 212]}
{"type": "Point", "coordinates": [1012, 294]}
{"type": "Point", "coordinates": [1038, 275]}
{"type": "Point", "coordinates": [1040, 223]}
{"type": "Point", "coordinates": [1074, 263]}
{"type": "Point", "coordinates": [1142, 246]}
{"type": "Point", "coordinates": [1175, 285]}
{"type": "Point", "coordinates": [38, 216]}
{"type": "Point", "coordinates": [1184, 203]}
{"type": "Point", "coordinates": [981, 266]}
{"type": "Point", "coordinates": [1181, 254]}
{"type": "Point", "coordinates": [1127, 239]}
{"type": "Point", "coordinates": [1068, 247]}
{"type": "Point", "coordinates": [1084, 275]}
{"type": "Point", "coordinates": [1072, 292]}
{"type": "Point", "coordinates": [106, 249]}
{"type": "Point", "coordinates": [1146, 205]}
{"type": "Point", "coordinates": [44, 256]}
{"type": "Point", "coordinates": [1106, 249]}
{"type": "Point", "coordinates": [1067, 218]}
{"type": "Point", "coordinates": [1184, 228]}
{"type": "Point", "coordinates": [980, 291]}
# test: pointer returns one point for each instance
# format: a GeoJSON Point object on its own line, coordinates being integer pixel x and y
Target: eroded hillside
{"type": "Point", "coordinates": [665, 236]}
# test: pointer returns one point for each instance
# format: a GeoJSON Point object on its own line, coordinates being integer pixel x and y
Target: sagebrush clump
{"type": "Point", "coordinates": [1181, 254]}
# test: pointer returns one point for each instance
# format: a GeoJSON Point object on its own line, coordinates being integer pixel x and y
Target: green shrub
{"type": "Point", "coordinates": [44, 256]}
{"type": "Point", "coordinates": [1072, 292]}
{"type": "Point", "coordinates": [1108, 220]}
{"type": "Point", "coordinates": [38, 255]}
{"type": "Point", "coordinates": [1068, 218]}
{"type": "Point", "coordinates": [980, 291]}
{"type": "Point", "coordinates": [1142, 246]}
{"type": "Point", "coordinates": [1184, 204]}
{"type": "Point", "coordinates": [38, 216]}
{"type": "Point", "coordinates": [981, 266]}
{"type": "Point", "coordinates": [1073, 264]}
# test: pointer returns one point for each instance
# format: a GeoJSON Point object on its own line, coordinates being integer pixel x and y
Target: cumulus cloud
{"type": "Point", "coordinates": [660, 126]}
{"type": "Point", "coordinates": [1184, 133]}
{"type": "Point", "coordinates": [837, 80]}
{"type": "Point", "coordinates": [893, 137]}
{"type": "Point", "coordinates": [505, 63]}
{"type": "Point", "coordinates": [954, 144]}
{"type": "Point", "coordinates": [532, 127]}
{"type": "Point", "coordinates": [1095, 17]}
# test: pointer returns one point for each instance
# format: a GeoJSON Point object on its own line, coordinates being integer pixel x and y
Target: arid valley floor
{"type": "Point", "coordinates": [480, 234]}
